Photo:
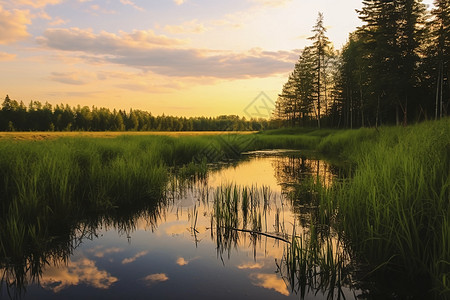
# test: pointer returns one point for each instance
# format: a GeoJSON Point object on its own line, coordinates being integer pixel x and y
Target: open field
{"type": "Point", "coordinates": [45, 135]}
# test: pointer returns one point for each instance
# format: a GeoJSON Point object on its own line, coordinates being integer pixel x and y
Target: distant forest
{"type": "Point", "coordinates": [15, 116]}
{"type": "Point", "coordinates": [394, 69]}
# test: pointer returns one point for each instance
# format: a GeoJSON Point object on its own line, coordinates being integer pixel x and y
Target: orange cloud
{"type": "Point", "coordinates": [187, 27]}
{"type": "Point", "coordinates": [95, 8]}
{"type": "Point", "coordinates": [76, 39]}
{"type": "Point", "coordinates": [71, 78]}
{"type": "Point", "coordinates": [132, 4]}
{"type": "Point", "coordinates": [13, 25]}
{"type": "Point", "coordinates": [156, 53]}
{"type": "Point", "coordinates": [58, 21]}
{"type": "Point", "coordinates": [6, 56]}
{"type": "Point", "coordinates": [36, 3]}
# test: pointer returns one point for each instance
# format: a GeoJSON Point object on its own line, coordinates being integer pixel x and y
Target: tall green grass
{"type": "Point", "coordinates": [395, 210]}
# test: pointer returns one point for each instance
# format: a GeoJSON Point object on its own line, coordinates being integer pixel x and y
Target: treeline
{"type": "Point", "coordinates": [394, 69]}
{"type": "Point", "coordinates": [15, 116]}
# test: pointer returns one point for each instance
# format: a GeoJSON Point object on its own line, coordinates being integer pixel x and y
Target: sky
{"type": "Point", "coordinates": [172, 57]}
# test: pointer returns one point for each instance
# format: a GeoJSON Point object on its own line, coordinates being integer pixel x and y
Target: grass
{"type": "Point", "coordinates": [46, 186]}
{"type": "Point", "coordinates": [394, 211]}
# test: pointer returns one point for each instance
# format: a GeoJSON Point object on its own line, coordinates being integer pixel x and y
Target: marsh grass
{"type": "Point", "coordinates": [395, 209]}
{"type": "Point", "coordinates": [314, 262]}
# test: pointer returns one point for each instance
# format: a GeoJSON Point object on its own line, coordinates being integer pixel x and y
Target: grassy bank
{"type": "Point", "coordinates": [395, 210]}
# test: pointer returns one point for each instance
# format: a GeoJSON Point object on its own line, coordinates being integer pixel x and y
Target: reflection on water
{"type": "Point", "coordinates": [57, 278]}
{"type": "Point", "coordinates": [227, 236]}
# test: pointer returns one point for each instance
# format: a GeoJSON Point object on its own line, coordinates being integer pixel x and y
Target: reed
{"type": "Point", "coordinates": [395, 209]}
{"type": "Point", "coordinates": [314, 263]}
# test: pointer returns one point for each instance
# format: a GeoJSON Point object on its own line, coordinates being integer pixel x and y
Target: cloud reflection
{"type": "Point", "coordinates": [271, 282]}
{"type": "Point", "coordinates": [107, 251]}
{"type": "Point", "coordinates": [76, 272]}
{"type": "Point", "coordinates": [250, 266]}
{"type": "Point", "coordinates": [182, 262]}
{"type": "Point", "coordinates": [155, 278]}
{"type": "Point", "coordinates": [133, 259]}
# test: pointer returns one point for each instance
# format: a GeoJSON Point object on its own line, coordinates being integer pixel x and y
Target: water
{"type": "Point", "coordinates": [180, 250]}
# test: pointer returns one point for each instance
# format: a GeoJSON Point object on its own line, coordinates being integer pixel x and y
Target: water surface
{"type": "Point", "coordinates": [178, 251]}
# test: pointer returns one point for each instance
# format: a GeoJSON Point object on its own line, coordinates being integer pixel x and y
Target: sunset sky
{"type": "Point", "coordinates": [177, 57]}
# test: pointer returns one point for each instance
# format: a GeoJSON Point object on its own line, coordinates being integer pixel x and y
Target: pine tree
{"type": "Point", "coordinates": [393, 31]}
{"type": "Point", "coordinates": [320, 50]}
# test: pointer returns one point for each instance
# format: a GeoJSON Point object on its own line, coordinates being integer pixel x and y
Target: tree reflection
{"type": "Point", "coordinates": [27, 255]}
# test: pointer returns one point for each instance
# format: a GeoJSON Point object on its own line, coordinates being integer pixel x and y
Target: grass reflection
{"type": "Point", "coordinates": [315, 259]}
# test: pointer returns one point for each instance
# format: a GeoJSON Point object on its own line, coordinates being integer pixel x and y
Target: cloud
{"type": "Point", "coordinates": [271, 282]}
{"type": "Point", "coordinates": [36, 3]}
{"type": "Point", "coordinates": [42, 15]}
{"type": "Point", "coordinates": [76, 272]}
{"type": "Point", "coordinates": [272, 3]}
{"type": "Point", "coordinates": [187, 27]}
{"type": "Point", "coordinates": [132, 4]}
{"type": "Point", "coordinates": [75, 39]}
{"type": "Point", "coordinates": [155, 278]}
{"type": "Point", "coordinates": [134, 258]}
{"type": "Point", "coordinates": [71, 78]}
{"type": "Point", "coordinates": [160, 54]}
{"type": "Point", "coordinates": [58, 21]}
{"type": "Point", "coordinates": [147, 87]}
{"type": "Point", "coordinates": [95, 9]}
{"type": "Point", "coordinates": [13, 25]}
{"type": "Point", "coordinates": [6, 56]}
{"type": "Point", "coordinates": [179, 2]}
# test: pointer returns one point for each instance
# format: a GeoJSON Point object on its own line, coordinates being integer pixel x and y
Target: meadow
{"type": "Point", "coordinates": [393, 211]}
